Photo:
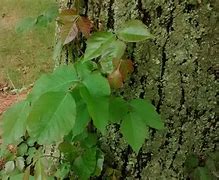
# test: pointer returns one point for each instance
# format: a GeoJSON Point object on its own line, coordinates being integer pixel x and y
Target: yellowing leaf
{"type": "Point", "coordinates": [67, 15]}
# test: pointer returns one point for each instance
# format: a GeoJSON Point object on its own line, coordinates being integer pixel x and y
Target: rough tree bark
{"type": "Point", "coordinates": [178, 72]}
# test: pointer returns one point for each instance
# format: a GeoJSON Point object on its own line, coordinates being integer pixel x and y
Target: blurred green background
{"type": "Point", "coordinates": [24, 56]}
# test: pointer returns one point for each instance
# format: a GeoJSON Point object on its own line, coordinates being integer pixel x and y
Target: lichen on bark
{"type": "Point", "coordinates": [178, 72]}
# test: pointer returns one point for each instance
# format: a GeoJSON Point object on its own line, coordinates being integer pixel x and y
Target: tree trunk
{"type": "Point", "coordinates": [178, 72]}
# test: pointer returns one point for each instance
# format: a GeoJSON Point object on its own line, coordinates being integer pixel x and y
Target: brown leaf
{"type": "Point", "coordinates": [116, 62]}
{"type": "Point", "coordinates": [72, 34]}
{"type": "Point", "coordinates": [85, 26]}
{"type": "Point", "coordinates": [126, 67]}
{"type": "Point", "coordinates": [115, 79]}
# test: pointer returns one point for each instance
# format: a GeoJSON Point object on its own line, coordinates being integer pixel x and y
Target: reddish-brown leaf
{"type": "Point", "coordinates": [72, 34]}
{"type": "Point", "coordinates": [116, 62]}
{"type": "Point", "coordinates": [126, 67]}
{"type": "Point", "coordinates": [85, 26]}
{"type": "Point", "coordinates": [115, 79]}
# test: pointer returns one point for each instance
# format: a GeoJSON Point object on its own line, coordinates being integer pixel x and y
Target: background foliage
{"type": "Point", "coordinates": [20, 63]}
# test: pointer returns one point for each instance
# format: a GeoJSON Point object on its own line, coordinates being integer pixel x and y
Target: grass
{"type": "Point", "coordinates": [24, 57]}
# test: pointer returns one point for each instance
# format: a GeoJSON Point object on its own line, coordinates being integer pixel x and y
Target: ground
{"type": "Point", "coordinates": [7, 97]}
{"type": "Point", "coordinates": [23, 57]}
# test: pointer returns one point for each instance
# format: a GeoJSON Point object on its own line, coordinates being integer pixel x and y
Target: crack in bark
{"type": "Point", "coordinates": [146, 16]}
{"type": "Point", "coordinates": [142, 159]}
{"type": "Point", "coordinates": [182, 102]}
{"type": "Point", "coordinates": [110, 21]}
{"type": "Point", "coordinates": [86, 7]}
{"type": "Point", "coordinates": [69, 4]}
{"type": "Point", "coordinates": [66, 55]}
{"type": "Point", "coordinates": [162, 71]}
{"type": "Point", "coordinates": [164, 58]}
{"type": "Point", "coordinates": [126, 160]}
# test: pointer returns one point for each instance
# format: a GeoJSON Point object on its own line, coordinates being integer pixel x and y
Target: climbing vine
{"type": "Point", "coordinates": [55, 131]}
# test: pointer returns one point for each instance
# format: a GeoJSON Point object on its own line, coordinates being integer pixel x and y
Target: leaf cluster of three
{"type": "Point", "coordinates": [54, 107]}
{"type": "Point", "coordinates": [69, 98]}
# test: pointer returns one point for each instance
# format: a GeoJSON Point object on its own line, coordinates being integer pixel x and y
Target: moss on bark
{"type": "Point", "coordinates": [178, 71]}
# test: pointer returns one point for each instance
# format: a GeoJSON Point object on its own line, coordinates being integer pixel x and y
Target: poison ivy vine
{"type": "Point", "coordinates": [72, 107]}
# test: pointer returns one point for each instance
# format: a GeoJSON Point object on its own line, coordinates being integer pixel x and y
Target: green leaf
{"type": "Point", "coordinates": [60, 80]}
{"type": "Point", "coordinates": [115, 50]}
{"type": "Point", "coordinates": [202, 173]}
{"type": "Point", "coordinates": [85, 165]}
{"type": "Point", "coordinates": [39, 171]}
{"type": "Point", "coordinates": [134, 131]}
{"type": "Point", "coordinates": [22, 149]}
{"type": "Point", "coordinates": [17, 177]}
{"type": "Point", "coordinates": [100, 160]}
{"type": "Point", "coordinates": [20, 163]}
{"type": "Point", "coordinates": [14, 122]}
{"type": "Point", "coordinates": [107, 66]}
{"type": "Point", "coordinates": [134, 31]}
{"type": "Point", "coordinates": [57, 52]}
{"type": "Point", "coordinates": [97, 85]}
{"type": "Point", "coordinates": [211, 164]}
{"type": "Point", "coordinates": [147, 112]}
{"type": "Point", "coordinates": [25, 25]}
{"type": "Point", "coordinates": [82, 117]}
{"type": "Point", "coordinates": [118, 109]}
{"type": "Point", "coordinates": [9, 167]}
{"type": "Point", "coordinates": [69, 151]}
{"type": "Point", "coordinates": [52, 12]}
{"type": "Point", "coordinates": [191, 162]}
{"type": "Point", "coordinates": [52, 116]}
{"type": "Point", "coordinates": [97, 43]}
{"type": "Point", "coordinates": [80, 137]}
{"type": "Point", "coordinates": [84, 69]}
{"type": "Point", "coordinates": [96, 96]}
{"type": "Point", "coordinates": [63, 171]}
{"type": "Point", "coordinates": [98, 108]}
{"type": "Point", "coordinates": [90, 141]}
{"type": "Point", "coordinates": [42, 21]}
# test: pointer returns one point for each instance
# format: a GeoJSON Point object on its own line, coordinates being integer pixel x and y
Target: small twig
{"type": "Point", "coordinates": [50, 156]}
{"type": "Point", "coordinates": [10, 80]}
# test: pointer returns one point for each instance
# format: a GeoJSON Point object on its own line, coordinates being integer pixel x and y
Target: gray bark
{"type": "Point", "coordinates": [178, 71]}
